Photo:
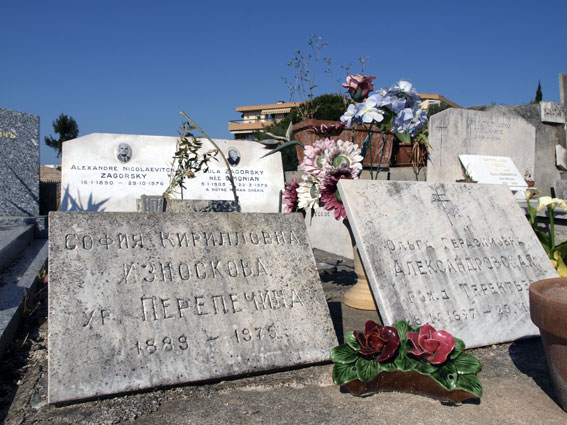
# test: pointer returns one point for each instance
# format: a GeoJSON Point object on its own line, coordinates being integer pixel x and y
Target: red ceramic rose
{"type": "Point", "coordinates": [359, 86]}
{"type": "Point", "coordinates": [379, 341]}
{"type": "Point", "coordinates": [432, 345]}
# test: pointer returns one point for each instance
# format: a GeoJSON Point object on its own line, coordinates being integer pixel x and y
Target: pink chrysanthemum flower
{"type": "Point", "coordinates": [314, 156]}
{"type": "Point", "coordinates": [290, 196]}
{"type": "Point", "coordinates": [330, 194]}
{"type": "Point", "coordinates": [343, 154]}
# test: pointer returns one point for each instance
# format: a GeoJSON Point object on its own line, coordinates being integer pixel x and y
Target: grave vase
{"type": "Point", "coordinates": [359, 296]}
{"type": "Point", "coordinates": [548, 310]}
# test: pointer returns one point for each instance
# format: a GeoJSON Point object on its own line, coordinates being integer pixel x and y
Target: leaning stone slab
{"type": "Point", "coordinates": [141, 300]}
{"type": "Point", "coordinates": [457, 132]}
{"type": "Point", "coordinates": [457, 256]}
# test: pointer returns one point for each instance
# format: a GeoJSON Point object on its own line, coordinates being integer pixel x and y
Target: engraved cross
{"type": "Point", "coordinates": [441, 127]}
{"type": "Point", "coordinates": [438, 198]}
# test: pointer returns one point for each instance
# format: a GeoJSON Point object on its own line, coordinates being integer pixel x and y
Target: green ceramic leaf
{"type": "Point", "coordinates": [367, 369]}
{"type": "Point", "coordinates": [343, 373]}
{"type": "Point", "coordinates": [403, 328]}
{"type": "Point", "coordinates": [466, 364]}
{"type": "Point", "coordinates": [447, 376]}
{"type": "Point", "coordinates": [404, 362]}
{"type": "Point", "coordinates": [459, 348]}
{"type": "Point", "coordinates": [351, 341]}
{"type": "Point", "coordinates": [283, 146]}
{"type": "Point", "coordinates": [343, 354]}
{"type": "Point", "coordinates": [425, 367]}
{"type": "Point", "coordinates": [470, 383]}
{"type": "Point", "coordinates": [390, 365]}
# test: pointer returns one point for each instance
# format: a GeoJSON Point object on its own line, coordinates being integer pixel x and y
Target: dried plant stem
{"type": "Point", "coordinates": [230, 177]}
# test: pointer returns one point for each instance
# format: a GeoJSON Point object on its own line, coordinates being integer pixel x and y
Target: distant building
{"type": "Point", "coordinates": [256, 117]}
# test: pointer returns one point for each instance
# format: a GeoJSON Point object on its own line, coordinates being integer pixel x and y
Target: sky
{"type": "Point", "coordinates": [130, 67]}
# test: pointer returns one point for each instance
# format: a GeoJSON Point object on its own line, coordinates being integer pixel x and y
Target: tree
{"type": "Point", "coordinates": [67, 129]}
{"type": "Point", "coordinates": [538, 95]}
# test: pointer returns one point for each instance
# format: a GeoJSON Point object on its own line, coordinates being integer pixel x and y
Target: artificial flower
{"type": "Point", "coordinates": [330, 195]}
{"type": "Point", "coordinates": [314, 156]}
{"type": "Point", "coordinates": [343, 154]}
{"type": "Point", "coordinates": [290, 196]}
{"type": "Point", "coordinates": [328, 130]}
{"type": "Point", "coordinates": [308, 192]}
{"type": "Point", "coordinates": [549, 202]}
{"type": "Point", "coordinates": [430, 344]}
{"type": "Point", "coordinates": [348, 116]}
{"type": "Point", "coordinates": [379, 341]}
{"type": "Point", "coordinates": [368, 112]}
{"type": "Point", "coordinates": [530, 192]}
{"type": "Point", "coordinates": [359, 86]}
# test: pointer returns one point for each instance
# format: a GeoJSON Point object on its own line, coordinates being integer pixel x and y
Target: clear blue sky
{"type": "Point", "coordinates": [131, 66]}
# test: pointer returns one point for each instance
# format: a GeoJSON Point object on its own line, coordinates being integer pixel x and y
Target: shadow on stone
{"type": "Point", "coordinates": [335, 308]}
{"type": "Point", "coordinates": [528, 356]}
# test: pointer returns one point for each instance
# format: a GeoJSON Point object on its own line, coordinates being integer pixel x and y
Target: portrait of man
{"type": "Point", "coordinates": [233, 156]}
{"type": "Point", "coordinates": [124, 153]}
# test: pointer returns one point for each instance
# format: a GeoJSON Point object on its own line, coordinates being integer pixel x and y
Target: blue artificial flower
{"type": "Point", "coordinates": [369, 112]}
{"type": "Point", "coordinates": [348, 116]}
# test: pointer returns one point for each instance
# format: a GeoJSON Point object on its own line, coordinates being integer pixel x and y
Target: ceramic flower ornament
{"type": "Point", "coordinates": [432, 345]}
{"type": "Point", "coordinates": [359, 86]}
{"type": "Point", "coordinates": [380, 342]}
{"type": "Point", "coordinates": [549, 202]}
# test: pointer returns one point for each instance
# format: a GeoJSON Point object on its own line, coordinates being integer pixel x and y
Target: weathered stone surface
{"type": "Point", "coordinates": [493, 170]}
{"type": "Point", "coordinates": [457, 256]}
{"type": "Point", "coordinates": [456, 132]}
{"type": "Point", "coordinates": [553, 112]}
{"type": "Point", "coordinates": [96, 177]}
{"type": "Point", "coordinates": [328, 234]}
{"type": "Point", "coordinates": [139, 300]}
{"type": "Point", "coordinates": [19, 159]}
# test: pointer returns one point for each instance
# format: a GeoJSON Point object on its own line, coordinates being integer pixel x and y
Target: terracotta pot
{"type": "Point", "coordinates": [548, 310]}
{"type": "Point", "coordinates": [302, 133]}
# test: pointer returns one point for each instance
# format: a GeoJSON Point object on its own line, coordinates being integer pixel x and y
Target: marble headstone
{"type": "Point", "coordinates": [457, 256]}
{"type": "Point", "coordinates": [97, 176]}
{"type": "Point", "coordinates": [457, 132]}
{"type": "Point", "coordinates": [328, 234]}
{"type": "Point", "coordinates": [553, 112]}
{"type": "Point", "coordinates": [141, 300]}
{"type": "Point", "coordinates": [258, 180]}
{"type": "Point", "coordinates": [19, 158]}
{"type": "Point", "coordinates": [490, 169]}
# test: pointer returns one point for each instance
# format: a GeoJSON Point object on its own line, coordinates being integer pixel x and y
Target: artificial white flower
{"type": "Point", "coordinates": [308, 192]}
{"type": "Point", "coordinates": [530, 192]}
{"type": "Point", "coordinates": [549, 202]}
{"type": "Point", "coordinates": [343, 154]}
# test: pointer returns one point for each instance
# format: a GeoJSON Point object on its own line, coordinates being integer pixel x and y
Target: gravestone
{"type": "Point", "coordinates": [552, 112]}
{"type": "Point", "coordinates": [97, 176]}
{"type": "Point", "coordinates": [563, 88]}
{"type": "Point", "coordinates": [456, 132]}
{"type": "Point", "coordinates": [258, 180]}
{"type": "Point", "coordinates": [328, 234]}
{"type": "Point", "coordinates": [457, 256]}
{"type": "Point", "coordinates": [489, 169]}
{"type": "Point", "coordinates": [19, 158]}
{"type": "Point", "coordinates": [140, 300]}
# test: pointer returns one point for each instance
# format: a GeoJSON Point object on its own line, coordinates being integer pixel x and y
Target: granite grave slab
{"type": "Point", "coordinates": [457, 132]}
{"type": "Point", "coordinates": [141, 300]}
{"type": "Point", "coordinates": [19, 159]}
{"type": "Point", "coordinates": [457, 256]}
{"type": "Point", "coordinates": [109, 172]}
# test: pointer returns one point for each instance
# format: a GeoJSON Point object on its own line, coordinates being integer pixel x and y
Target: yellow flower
{"type": "Point", "coordinates": [530, 192]}
{"type": "Point", "coordinates": [548, 201]}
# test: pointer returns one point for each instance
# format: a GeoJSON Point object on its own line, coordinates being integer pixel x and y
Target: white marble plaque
{"type": "Point", "coordinates": [553, 112]}
{"type": "Point", "coordinates": [457, 256]}
{"type": "Point", "coordinates": [493, 170]}
{"type": "Point", "coordinates": [258, 180]}
{"type": "Point", "coordinates": [561, 157]}
{"type": "Point", "coordinates": [142, 300]}
{"type": "Point", "coordinates": [328, 234]}
{"type": "Point", "coordinates": [457, 132]}
{"type": "Point", "coordinates": [109, 172]}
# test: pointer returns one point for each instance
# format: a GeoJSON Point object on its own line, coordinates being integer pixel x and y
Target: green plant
{"type": "Point", "coordinates": [189, 160]}
{"type": "Point", "coordinates": [67, 128]}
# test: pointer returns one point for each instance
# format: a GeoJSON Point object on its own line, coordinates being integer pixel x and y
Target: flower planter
{"type": "Point", "coordinates": [302, 133]}
{"type": "Point", "coordinates": [407, 382]}
{"type": "Point", "coordinates": [402, 155]}
{"type": "Point", "coordinates": [548, 310]}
